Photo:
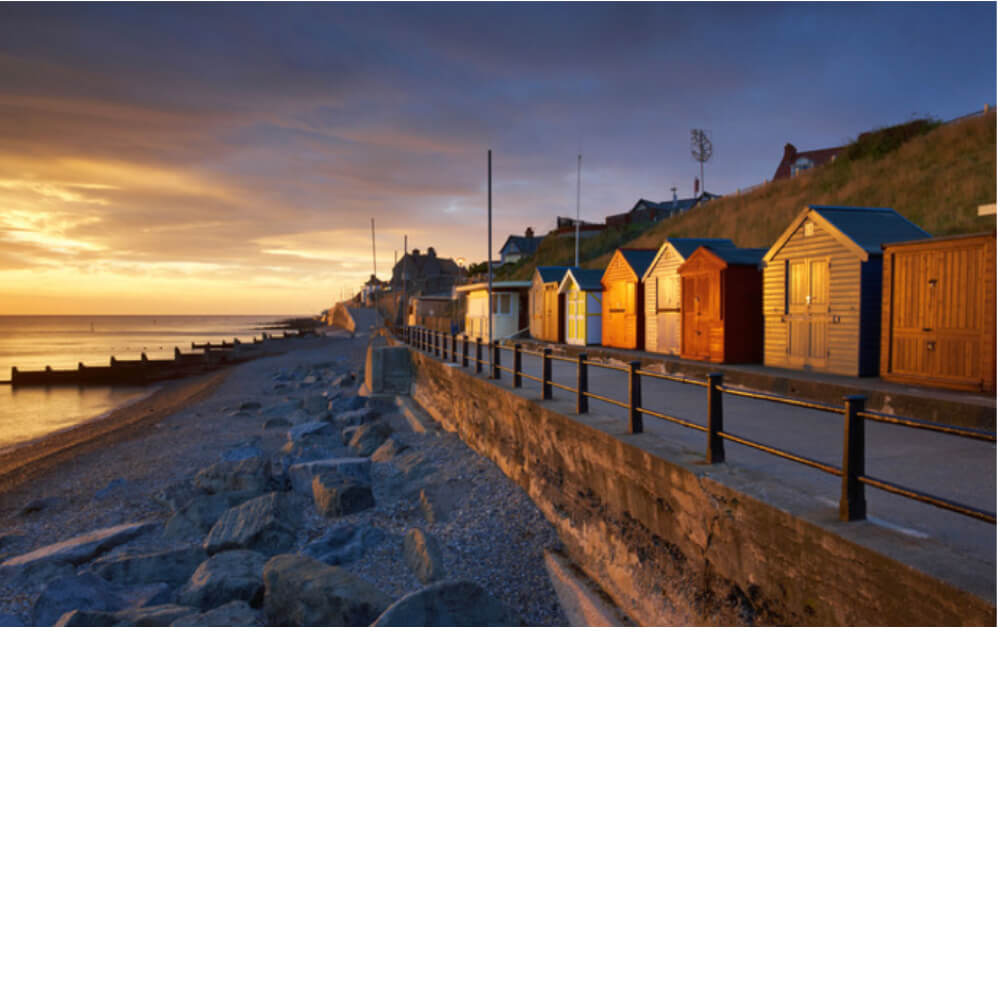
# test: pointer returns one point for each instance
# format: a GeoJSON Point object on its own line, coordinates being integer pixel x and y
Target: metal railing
{"type": "Point", "coordinates": [851, 472]}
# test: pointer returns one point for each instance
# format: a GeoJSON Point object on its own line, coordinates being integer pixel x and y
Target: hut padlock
{"type": "Point", "coordinates": [930, 345]}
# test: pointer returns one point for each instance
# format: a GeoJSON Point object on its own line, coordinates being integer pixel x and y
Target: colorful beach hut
{"type": "Point", "coordinates": [582, 290]}
{"type": "Point", "coordinates": [622, 307]}
{"type": "Point", "coordinates": [662, 285]}
{"type": "Point", "coordinates": [547, 313]}
{"type": "Point", "coordinates": [721, 305]}
{"type": "Point", "coordinates": [823, 288]}
{"type": "Point", "coordinates": [939, 312]}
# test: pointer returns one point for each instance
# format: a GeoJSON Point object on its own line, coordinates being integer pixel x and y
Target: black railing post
{"type": "Point", "coordinates": [454, 348]}
{"type": "Point", "coordinates": [465, 351]}
{"type": "Point", "coordinates": [634, 398]}
{"type": "Point", "coordinates": [517, 365]}
{"type": "Point", "coordinates": [716, 449]}
{"type": "Point", "coordinates": [546, 373]}
{"type": "Point", "coordinates": [852, 491]}
{"type": "Point", "coordinates": [582, 403]}
{"type": "Point", "coordinates": [479, 357]}
{"type": "Point", "coordinates": [494, 361]}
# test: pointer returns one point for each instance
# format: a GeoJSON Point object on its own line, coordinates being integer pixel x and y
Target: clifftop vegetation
{"type": "Point", "coordinates": [934, 175]}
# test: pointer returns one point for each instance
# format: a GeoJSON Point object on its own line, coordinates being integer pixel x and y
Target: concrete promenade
{"type": "Point", "coordinates": [946, 466]}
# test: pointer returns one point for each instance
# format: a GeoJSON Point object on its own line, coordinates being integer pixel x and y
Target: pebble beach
{"type": "Point", "coordinates": [131, 466]}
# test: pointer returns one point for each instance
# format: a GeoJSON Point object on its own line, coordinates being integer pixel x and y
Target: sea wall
{"type": "Point", "coordinates": [675, 541]}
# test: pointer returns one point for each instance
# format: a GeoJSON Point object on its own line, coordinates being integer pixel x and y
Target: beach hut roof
{"type": "Point", "coordinates": [637, 260]}
{"type": "Point", "coordinates": [587, 279]}
{"type": "Point", "coordinates": [863, 229]}
{"type": "Point", "coordinates": [685, 246]}
{"type": "Point", "coordinates": [550, 273]}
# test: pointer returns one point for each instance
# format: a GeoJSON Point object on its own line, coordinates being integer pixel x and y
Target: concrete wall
{"type": "Point", "coordinates": [677, 542]}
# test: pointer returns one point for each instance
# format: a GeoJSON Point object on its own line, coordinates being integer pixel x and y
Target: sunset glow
{"type": "Point", "coordinates": [163, 159]}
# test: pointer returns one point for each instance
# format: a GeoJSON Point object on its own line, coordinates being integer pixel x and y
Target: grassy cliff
{"type": "Point", "coordinates": [934, 175]}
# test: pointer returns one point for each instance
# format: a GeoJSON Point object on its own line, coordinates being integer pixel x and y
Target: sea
{"type": "Point", "coordinates": [32, 342]}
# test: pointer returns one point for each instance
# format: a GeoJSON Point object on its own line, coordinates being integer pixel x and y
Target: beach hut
{"type": "Point", "coordinates": [823, 288]}
{"type": "Point", "coordinates": [721, 305]}
{"type": "Point", "coordinates": [939, 320]}
{"type": "Point", "coordinates": [581, 287]}
{"type": "Point", "coordinates": [510, 309]}
{"type": "Point", "coordinates": [662, 287]}
{"type": "Point", "coordinates": [547, 315]}
{"type": "Point", "coordinates": [622, 311]}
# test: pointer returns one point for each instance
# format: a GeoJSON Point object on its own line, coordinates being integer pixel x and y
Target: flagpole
{"type": "Point", "coordinates": [489, 237]}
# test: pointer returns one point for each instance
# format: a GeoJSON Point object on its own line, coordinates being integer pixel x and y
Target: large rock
{"type": "Point", "coordinates": [389, 449]}
{"type": "Point", "coordinates": [235, 614]}
{"type": "Point", "coordinates": [171, 566]}
{"type": "Point", "coordinates": [197, 516]}
{"type": "Point", "coordinates": [456, 603]}
{"type": "Point", "coordinates": [365, 439]}
{"type": "Point", "coordinates": [438, 500]}
{"type": "Point", "coordinates": [388, 369]}
{"type": "Point", "coordinates": [354, 418]}
{"type": "Point", "coordinates": [423, 555]}
{"type": "Point", "coordinates": [304, 591]}
{"type": "Point", "coordinates": [238, 480]}
{"type": "Point", "coordinates": [336, 496]}
{"type": "Point", "coordinates": [85, 591]}
{"type": "Point", "coordinates": [344, 543]}
{"type": "Point", "coordinates": [73, 551]}
{"type": "Point", "coordinates": [267, 524]}
{"type": "Point", "coordinates": [315, 403]}
{"type": "Point", "coordinates": [301, 475]}
{"type": "Point", "coordinates": [346, 404]}
{"type": "Point", "coordinates": [233, 575]}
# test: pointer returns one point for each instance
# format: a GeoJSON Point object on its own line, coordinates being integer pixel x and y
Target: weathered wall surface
{"type": "Point", "coordinates": [679, 542]}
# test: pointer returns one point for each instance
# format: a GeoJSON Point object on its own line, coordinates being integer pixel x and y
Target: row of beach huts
{"type": "Point", "coordinates": [844, 290]}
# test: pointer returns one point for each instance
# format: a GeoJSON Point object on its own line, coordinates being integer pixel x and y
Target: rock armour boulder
{"type": "Point", "coordinates": [232, 575]}
{"type": "Point", "coordinates": [304, 591]}
{"type": "Point", "coordinates": [336, 496]}
{"type": "Point", "coordinates": [267, 524]}
{"type": "Point", "coordinates": [423, 555]}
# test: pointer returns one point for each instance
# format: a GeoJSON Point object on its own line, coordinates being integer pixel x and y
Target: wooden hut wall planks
{"type": "Point", "coordinates": [622, 307]}
{"type": "Point", "coordinates": [547, 312]}
{"type": "Point", "coordinates": [662, 292]}
{"type": "Point", "coordinates": [823, 288]}
{"type": "Point", "coordinates": [939, 321]}
{"type": "Point", "coordinates": [581, 287]}
{"type": "Point", "coordinates": [721, 319]}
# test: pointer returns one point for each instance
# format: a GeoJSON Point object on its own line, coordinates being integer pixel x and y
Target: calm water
{"type": "Point", "coordinates": [62, 341]}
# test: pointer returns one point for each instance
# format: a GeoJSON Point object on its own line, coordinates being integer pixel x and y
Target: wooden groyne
{"type": "Point", "coordinates": [203, 358]}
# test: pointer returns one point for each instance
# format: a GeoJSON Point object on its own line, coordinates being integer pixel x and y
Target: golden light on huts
{"type": "Point", "coordinates": [939, 320]}
{"type": "Point", "coordinates": [622, 307]}
{"type": "Point", "coordinates": [721, 305]}
{"type": "Point", "coordinates": [823, 288]}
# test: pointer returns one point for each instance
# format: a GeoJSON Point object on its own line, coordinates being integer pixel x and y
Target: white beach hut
{"type": "Point", "coordinates": [582, 290]}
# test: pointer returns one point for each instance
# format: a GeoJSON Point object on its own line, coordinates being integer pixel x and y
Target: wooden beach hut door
{"type": "Point", "coordinates": [701, 309]}
{"type": "Point", "coordinates": [937, 315]}
{"type": "Point", "coordinates": [808, 314]}
{"type": "Point", "coordinates": [668, 314]}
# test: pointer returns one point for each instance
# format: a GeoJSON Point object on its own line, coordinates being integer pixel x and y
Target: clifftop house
{"type": "Point", "coordinates": [795, 161]}
{"type": "Point", "coordinates": [426, 273]}
{"type": "Point", "coordinates": [518, 247]}
{"type": "Point", "coordinates": [647, 211]}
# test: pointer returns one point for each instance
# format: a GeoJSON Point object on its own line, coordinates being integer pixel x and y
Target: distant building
{"type": "Point", "coordinates": [566, 226]}
{"type": "Point", "coordinates": [426, 273]}
{"type": "Point", "coordinates": [647, 212]}
{"type": "Point", "coordinates": [518, 247]}
{"type": "Point", "coordinates": [510, 309]}
{"type": "Point", "coordinates": [795, 161]}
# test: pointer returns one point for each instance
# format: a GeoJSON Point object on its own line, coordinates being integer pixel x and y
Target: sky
{"type": "Point", "coordinates": [229, 158]}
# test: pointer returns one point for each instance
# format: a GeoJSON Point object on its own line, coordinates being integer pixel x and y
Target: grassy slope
{"type": "Point", "coordinates": [936, 180]}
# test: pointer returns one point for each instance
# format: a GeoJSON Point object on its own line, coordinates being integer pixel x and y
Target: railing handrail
{"type": "Point", "coordinates": [851, 472]}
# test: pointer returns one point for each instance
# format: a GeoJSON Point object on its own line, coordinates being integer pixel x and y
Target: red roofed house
{"type": "Point", "coordinates": [795, 161]}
